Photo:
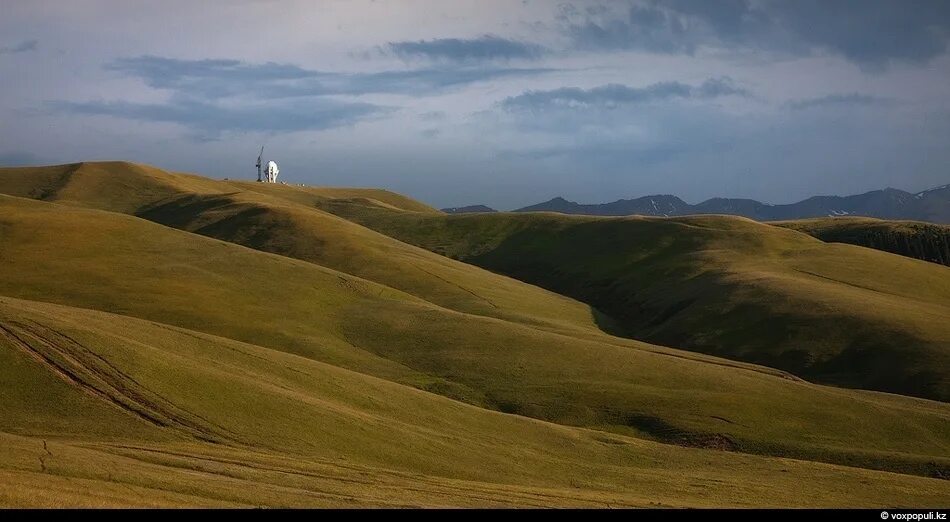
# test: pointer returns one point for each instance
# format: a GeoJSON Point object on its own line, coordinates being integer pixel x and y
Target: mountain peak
{"type": "Point", "coordinates": [888, 203]}
{"type": "Point", "coordinates": [469, 209]}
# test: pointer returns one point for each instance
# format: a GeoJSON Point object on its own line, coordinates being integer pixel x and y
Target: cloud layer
{"type": "Point", "coordinates": [495, 102]}
{"type": "Point", "coordinates": [483, 48]}
{"type": "Point", "coordinates": [852, 99]}
{"type": "Point", "coordinates": [275, 98]}
{"type": "Point", "coordinates": [22, 47]}
{"type": "Point", "coordinates": [208, 120]}
{"type": "Point", "coordinates": [224, 78]}
{"type": "Point", "coordinates": [613, 95]}
{"type": "Point", "coordinates": [870, 33]}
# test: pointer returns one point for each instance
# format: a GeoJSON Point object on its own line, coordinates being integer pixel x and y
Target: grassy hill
{"type": "Point", "coordinates": [126, 187]}
{"type": "Point", "coordinates": [727, 286]}
{"type": "Point", "coordinates": [272, 224]}
{"type": "Point", "coordinates": [344, 320]}
{"type": "Point", "coordinates": [284, 220]}
{"type": "Point", "coordinates": [925, 241]}
{"type": "Point", "coordinates": [108, 410]}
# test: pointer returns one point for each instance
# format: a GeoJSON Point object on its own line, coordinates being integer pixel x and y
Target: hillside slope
{"type": "Point", "coordinates": [273, 224]}
{"type": "Point", "coordinates": [924, 241]}
{"type": "Point", "coordinates": [722, 285]}
{"type": "Point", "coordinates": [95, 259]}
{"type": "Point", "coordinates": [103, 410]}
{"type": "Point", "coordinates": [286, 220]}
{"type": "Point", "coordinates": [120, 186]}
{"type": "Point", "coordinates": [283, 219]}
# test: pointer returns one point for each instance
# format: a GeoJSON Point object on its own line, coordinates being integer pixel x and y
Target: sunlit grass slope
{"type": "Point", "coordinates": [114, 185]}
{"type": "Point", "coordinates": [105, 410]}
{"type": "Point", "coordinates": [288, 228]}
{"type": "Point", "coordinates": [122, 264]}
{"type": "Point", "coordinates": [283, 219]}
{"type": "Point", "coordinates": [728, 286]}
{"type": "Point", "coordinates": [121, 186]}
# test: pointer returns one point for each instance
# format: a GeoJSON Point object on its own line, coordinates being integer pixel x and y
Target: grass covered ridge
{"type": "Point", "coordinates": [721, 285]}
{"type": "Point", "coordinates": [924, 241]}
{"type": "Point", "coordinates": [348, 349]}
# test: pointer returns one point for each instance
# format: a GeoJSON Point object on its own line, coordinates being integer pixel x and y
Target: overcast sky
{"type": "Point", "coordinates": [505, 103]}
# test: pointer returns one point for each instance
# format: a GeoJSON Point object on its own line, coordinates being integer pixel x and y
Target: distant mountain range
{"type": "Point", "coordinates": [471, 209]}
{"type": "Point", "coordinates": [930, 205]}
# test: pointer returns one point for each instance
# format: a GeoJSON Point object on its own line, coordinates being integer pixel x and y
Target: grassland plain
{"type": "Point", "coordinates": [455, 330]}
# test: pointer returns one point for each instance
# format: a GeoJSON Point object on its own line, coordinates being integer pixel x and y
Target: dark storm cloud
{"type": "Point", "coordinates": [871, 33]}
{"type": "Point", "coordinates": [850, 99]}
{"type": "Point", "coordinates": [22, 47]}
{"type": "Point", "coordinates": [484, 48]}
{"type": "Point", "coordinates": [223, 78]}
{"type": "Point", "coordinates": [208, 120]}
{"type": "Point", "coordinates": [616, 94]}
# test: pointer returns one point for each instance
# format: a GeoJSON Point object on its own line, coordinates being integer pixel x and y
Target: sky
{"type": "Point", "coordinates": [503, 103]}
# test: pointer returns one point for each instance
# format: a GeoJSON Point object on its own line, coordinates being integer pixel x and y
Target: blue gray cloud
{"type": "Point", "coordinates": [22, 47]}
{"type": "Point", "coordinates": [853, 99]}
{"type": "Point", "coordinates": [483, 48]}
{"type": "Point", "coordinates": [274, 97]}
{"type": "Point", "coordinates": [209, 120]}
{"type": "Point", "coordinates": [213, 79]}
{"type": "Point", "coordinates": [644, 28]}
{"type": "Point", "coordinates": [463, 118]}
{"type": "Point", "coordinates": [612, 95]}
{"type": "Point", "coordinates": [871, 33]}
{"type": "Point", "coordinates": [868, 32]}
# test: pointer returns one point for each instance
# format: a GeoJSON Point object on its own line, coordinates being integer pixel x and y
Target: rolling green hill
{"type": "Point", "coordinates": [284, 220]}
{"type": "Point", "coordinates": [722, 285]}
{"type": "Point", "coordinates": [925, 241]}
{"type": "Point", "coordinates": [100, 410]}
{"type": "Point", "coordinates": [323, 313]}
{"type": "Point", "coordinates": [95, 259]}
{"type": "Point", "coordinates": [290, 229]}
{"type": "Point", "coordinates": [126, 187]}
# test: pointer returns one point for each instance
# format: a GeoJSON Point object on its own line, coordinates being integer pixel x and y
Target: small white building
{"type": "Point", "coordinates": [272, 172]}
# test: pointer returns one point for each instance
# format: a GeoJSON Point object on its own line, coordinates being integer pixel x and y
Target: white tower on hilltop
{"type": "Point", "coordinates": [270, 173]}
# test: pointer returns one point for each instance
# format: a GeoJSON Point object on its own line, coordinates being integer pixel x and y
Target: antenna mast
{"type": "Point", "coordinates": [259, 178]}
